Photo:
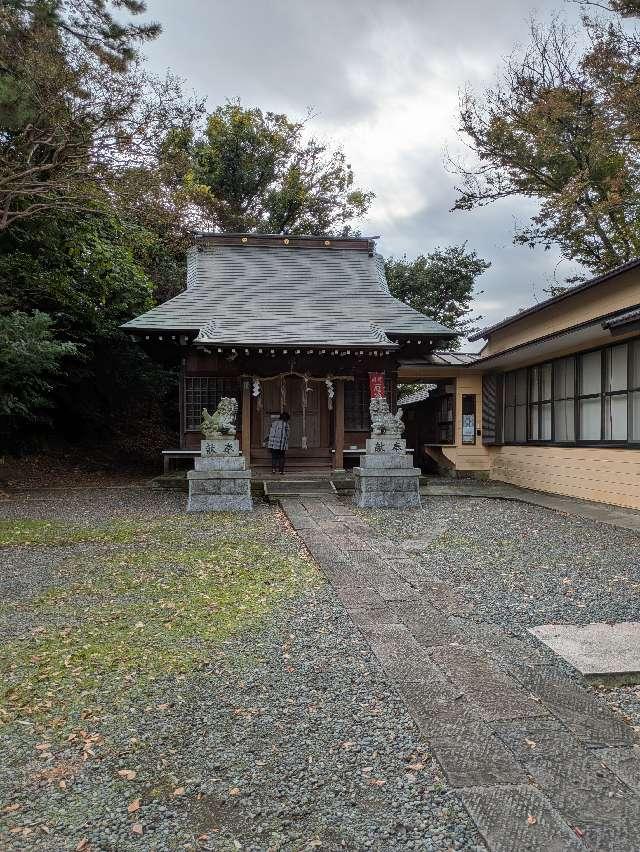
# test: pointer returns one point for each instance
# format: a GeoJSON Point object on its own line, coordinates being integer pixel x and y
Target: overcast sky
{"type": "Point", "coordinates": [382, 78]}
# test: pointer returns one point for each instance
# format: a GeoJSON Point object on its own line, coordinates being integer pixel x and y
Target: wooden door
{"type": "Point", "coordinates": [294, 389]}
{"type": "Point", "coordinates": [309, 423]}
{"type": "Point", "coordinates": [271, 407]}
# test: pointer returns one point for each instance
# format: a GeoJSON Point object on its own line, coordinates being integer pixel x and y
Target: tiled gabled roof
{"type": "Point", "coordinates": [632, 316]}
{"type": "Point", "coordinates": [452, 359]}
{"type": "Point", "coordinates": [264, 296]}
{"type": "Point", "coordinates": [417, 397]}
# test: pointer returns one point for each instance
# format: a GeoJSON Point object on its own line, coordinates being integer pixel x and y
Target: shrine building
{"type": "Point", "coordinates": [293, 323]}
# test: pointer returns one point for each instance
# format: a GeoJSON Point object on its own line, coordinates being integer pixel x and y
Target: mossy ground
{"type": "Point", "coordinates": [156, 601]}
{"type": "Point", "coordinates": [31, 533]}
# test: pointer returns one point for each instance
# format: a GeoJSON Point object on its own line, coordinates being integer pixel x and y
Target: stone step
{"type": "Point", "coordinates": [174, 481]}
{"type": "Point", "coordinates": [293, 487]}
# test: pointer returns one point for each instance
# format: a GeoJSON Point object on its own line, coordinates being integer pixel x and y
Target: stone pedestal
{"type": "Point", "coordinates": [386, 477]}
{"type": "Point", "coordinates": [219, 481]}
{"type": "Point", "coordinates": [216, 447]}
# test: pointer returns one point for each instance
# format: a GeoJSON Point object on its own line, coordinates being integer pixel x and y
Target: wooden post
{"type": "Point", "coordinates": [246, 420]}
{"type": "Point", "coordinates": [181, 406]}
{"type": "Point", "coordinates": [338, 407]}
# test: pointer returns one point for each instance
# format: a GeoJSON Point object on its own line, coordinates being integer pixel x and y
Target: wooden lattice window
{"type": "Point", "coordinates": [206, 392]}
{"type": "Point", "coordinates": [356, 403]}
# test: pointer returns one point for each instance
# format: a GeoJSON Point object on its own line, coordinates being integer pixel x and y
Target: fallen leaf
{"type": "Point", "coordinates": [9, 809]}
{"type": "Point", "coordinates": [84, 844]}
{"type": "Point", "coordinates": [136, 828]}
{"type": "Point", "coordinates": [376, 782]}
{"type": "Point", "coordinates": [43, 746]}
{"type": "Point", "coordinates": [234, 791]}
{"type": "Point", "coordinates": [127, 774]}
{"type": "Point", "coordinates": [531, 820]}
{"type": "Point", "coordinates": [179, 791]}
{"type": "Point", "coordinates": [134, 806]}
{"type": "Point", "coordinates": [415, 766]}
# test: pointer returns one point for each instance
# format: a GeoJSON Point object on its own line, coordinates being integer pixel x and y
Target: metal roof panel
{"type": "Point", "coordinates": [249, 295]}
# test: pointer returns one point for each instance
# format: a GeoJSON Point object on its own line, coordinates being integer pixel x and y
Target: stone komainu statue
{"type": "Point", "coordinates": [222, 423]}
{"type": "Point", "coordinates": [383, 422]}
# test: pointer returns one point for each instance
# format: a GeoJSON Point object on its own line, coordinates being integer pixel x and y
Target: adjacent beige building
{"type": "Point", "coordinates": [552, 402]}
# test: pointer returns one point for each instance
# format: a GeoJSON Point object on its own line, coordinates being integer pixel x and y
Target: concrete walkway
{"type": "Point", "coordinates": [540, 763]}
{"type": "Point", "coordinates": [615, 516]}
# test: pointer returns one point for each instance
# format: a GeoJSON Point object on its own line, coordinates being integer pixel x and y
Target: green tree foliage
{"type": "Point", "coordinates": [91, 25]}
{"type": "Point", "coordinates": [85, 271]}
{"type": "Point", "coordinates": [254, 171]}
{"type": "Point", "coordinates": [87, 274]}
{"type": "Point", "coordinates": [77, 118]}
{"type": "Point", "coordinates": [563, 127]}
{"type": "Point", "coordinates": [30, 357]}
{"type": "Point", "coordinates": [440, 284]}
{"type": "Point", "coordinates": [89, 232]}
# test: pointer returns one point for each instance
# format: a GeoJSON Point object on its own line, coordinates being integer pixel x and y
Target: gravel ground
{"type": "Point", "coordinates": [287, 737]}
{"type": "Point", "coordinates": [520, 565]}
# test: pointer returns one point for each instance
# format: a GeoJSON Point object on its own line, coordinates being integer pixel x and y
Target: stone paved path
{"type": "Point", "coordinates": [539, 763]}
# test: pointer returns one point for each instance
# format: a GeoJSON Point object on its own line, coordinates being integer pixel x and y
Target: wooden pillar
{"type": "Point", "coordinates": [181, 407]}
{"type": "Point", "coordinates": [246, 420]}
{"type": "Point", "coordinates": [338, 408]}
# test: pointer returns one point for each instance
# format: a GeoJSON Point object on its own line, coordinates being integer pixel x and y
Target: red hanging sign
{"type": "Point", "coordinates": [376, 385]}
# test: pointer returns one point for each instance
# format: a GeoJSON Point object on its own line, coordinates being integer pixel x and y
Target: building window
{"type": "Point", "coordinates": [615, 393]}
{"type": "Point", "coordinates": [592, 397]}
{"type": "Point", "coordinates": [564, 408]}
{"type": "Point", "coordinates": [634, 391]}
{"type": "Point", "coordinates": [356, 403]}
{"type": "Point", "coordinates": [509, 408]}
{"type": "Point", "coordinates": [540, 403]}
{"type": "Point", "coordinates": [521, 406]}
{"type": "Point", "coordinates": [206, 392]}
{"type": "Point", "coordinates": [515, 407]}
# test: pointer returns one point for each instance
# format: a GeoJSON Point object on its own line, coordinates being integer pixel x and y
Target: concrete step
{"type": "Point", "coordinates": [294, 487]}
{"type": "Point", "coordinates": [174, 481]}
